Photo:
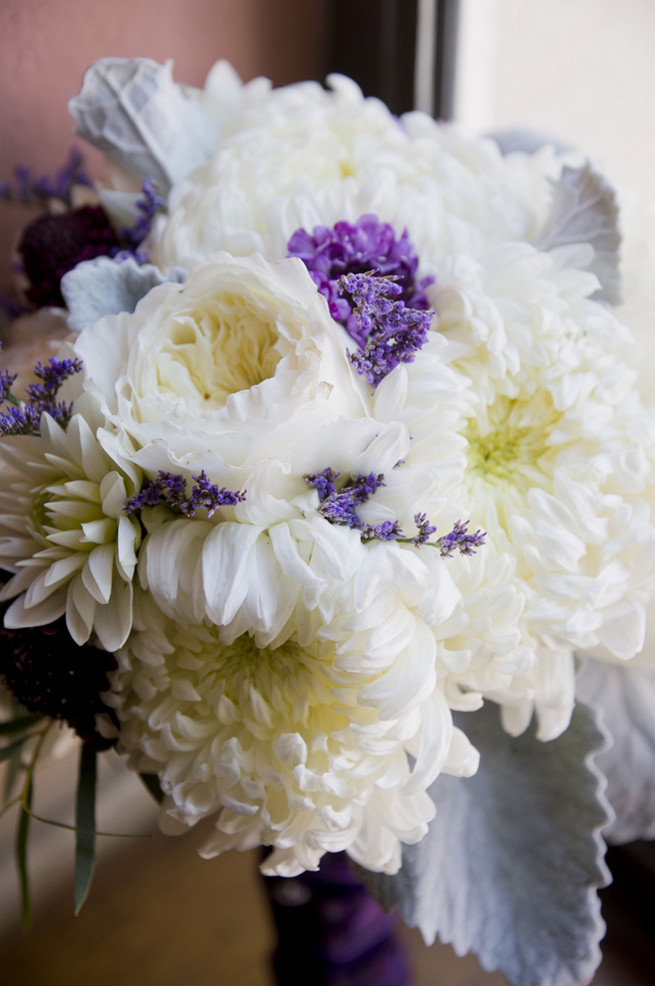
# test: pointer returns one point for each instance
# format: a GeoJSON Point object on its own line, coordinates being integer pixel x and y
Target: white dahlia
{"type": "Point", "coordinates": [303, 156]}
{"type": "Point", "coordinates": [325, 739]}
{"type": "Point", "coordinates": [558, 469]}
{"type": "Point", "coordinates": [63, 531]}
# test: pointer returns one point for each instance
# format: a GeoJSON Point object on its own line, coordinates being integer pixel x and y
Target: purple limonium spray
{"type": "Point", "coordinates": [148, 205]}
{"type": "Point", "coordinates": [338, 506]}
{"type": "Point", "coordinates": [30, 191]}
{"type": "Point", "coordinates": [354, 248]}
{"type": "Point", "coordinates": [393, 332]}
{"type": "Point", "coordinates": [171, 489]}
{"type": "Point", "coordinates": [23, 417]}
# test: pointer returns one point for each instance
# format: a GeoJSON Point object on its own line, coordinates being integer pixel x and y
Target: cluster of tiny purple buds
{"type": "Point", "coordinates": [354, 248]}
{"type": "Point", "coordinates": [23, 417]}
{"type": "Point", "coordinates": [28, 190]}
{"type": "Point", "coordinates": [170, 488]}
{"type": "Point", "coordinates": [148, 206]}
{"type": "Point", "coordinates": [338, 505]}
{"type": "Point", "coordinates": [460, 540]}
{"type": "Point", "coordinates": [393, 332]}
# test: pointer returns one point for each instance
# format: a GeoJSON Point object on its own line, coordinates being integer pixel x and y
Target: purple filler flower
{"type": "Point", "coordinates": [170, 488]}
{"type": "Point", "coordinates": [338, 506]}
{"type": "Point", "coordinates": [355, 248]}
{"type": "Point", "coordinates": [393, 332]}
{"type": "Point", "coordinates": [23, 418]}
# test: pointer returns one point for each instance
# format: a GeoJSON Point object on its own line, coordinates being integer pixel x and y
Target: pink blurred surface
{"type": "Point", "coordinates": [47, 44]}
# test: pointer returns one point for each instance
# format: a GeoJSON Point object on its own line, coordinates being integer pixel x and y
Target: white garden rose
{"type": "Point", "coordinates": [241, 365]}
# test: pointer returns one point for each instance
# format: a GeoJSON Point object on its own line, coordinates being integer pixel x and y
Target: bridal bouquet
{"type": "Point", "coordinates": [334, 514]}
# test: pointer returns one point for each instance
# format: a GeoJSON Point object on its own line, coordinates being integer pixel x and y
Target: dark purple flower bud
{"type": "Point", "coordinates": [50, 675]}
{"type": "Point", "coordinates": [53, 245]}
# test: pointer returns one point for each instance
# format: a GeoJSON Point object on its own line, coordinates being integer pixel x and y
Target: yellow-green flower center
{"type": "Point", "coordinates": [510, 450]}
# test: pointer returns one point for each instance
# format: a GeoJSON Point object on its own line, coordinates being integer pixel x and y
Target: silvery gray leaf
{"type": "Point", "coordinates": [526, 140]}
{"type": "Point", "coordinates": [133, 111]}
{"type": "Point", "coordinates": [585, 210]}
{"type": "Point", "coordinates": [106, 287]}
{"type": "Point", "coordinates": [626, 698]}
{"type": "Point", "coordinates": [510, 866]}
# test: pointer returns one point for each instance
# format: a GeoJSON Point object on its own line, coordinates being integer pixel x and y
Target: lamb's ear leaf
{"type": "Point", "coordinates": [626, 698]}
{"type": "Point", "coordinates": [512, 862]}
{"type": "Point", "coordinates": [585, 210]}
{"type": "Point", "coordinates": [133, 111]}
{"type": "Point", "coordinates": [100, 287]}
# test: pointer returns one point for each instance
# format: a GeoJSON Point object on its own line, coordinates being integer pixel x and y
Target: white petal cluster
{"type": "Point", "coordinates": [302, 156]}
{"type": "Point", "coordinates": [64, 533]}
{"type": "Point", "coordinates": [557, 468]}
{"type": "Point", "coordinates": [279, 673]}
{"type": "Point", "coordinates": [304, 743]}
{"type": "Point", "coordinates": [241, 364]}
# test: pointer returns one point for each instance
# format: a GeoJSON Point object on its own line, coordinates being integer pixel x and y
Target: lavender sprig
{"type": "Point", "coordinates": [393, 332]}
{"type": "Point", "coordinates": [23, 417]}
{"type": "Point", "coordinates": [354, 248]}
{"type": "Point", "coordinates": [30, 191]}
{"type": "Point", "coordinates": [338, 506]}
{"type": "Point", "coordinates": [170, 488]}
{"type": "Point", "coordinates": [150, 203]}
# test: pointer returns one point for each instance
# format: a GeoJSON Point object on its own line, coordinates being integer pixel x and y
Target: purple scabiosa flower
{"type": "Point", "coordinates": [355, 248]}
{"type": "Point", "coordinates": [170, 488]}
{"type": "Point", "coordinates": [50, 675]}
{"type": "Point", "coordinates": [54, 244]}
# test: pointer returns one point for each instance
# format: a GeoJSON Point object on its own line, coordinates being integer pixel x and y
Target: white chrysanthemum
{"type": "Point", "coordinates": [325, 740]}
{"type": "Point", "coordinates": [63, 530]}
{"type": "Point", "coordinates": [241, 364]}
{"type": "Point", "coordinates": [558, 470]}
{"type": "Point", "coordinates": [302, 156]}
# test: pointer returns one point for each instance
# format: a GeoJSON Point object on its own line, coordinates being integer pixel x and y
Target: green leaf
{"type": "Point", "coordinates": [14, 768]}
{"type": "Point", "coordinates": [85, 825]}
{"type": "Point", "coordinates": [18, 725]}
{"type": "Point", "coordinates": [151, 783]}
{"type": "Point", "coordinates": [22, 834]}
